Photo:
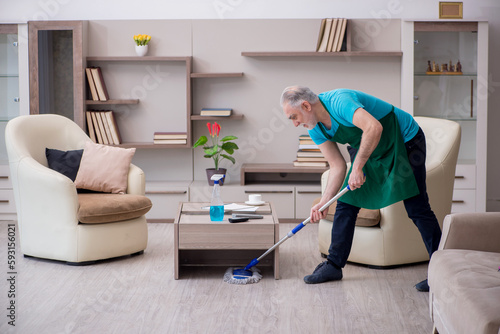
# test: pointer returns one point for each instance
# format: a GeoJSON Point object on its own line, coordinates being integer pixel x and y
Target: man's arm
{"type": "Point", "coordinates": [335, 178]}
{"type": "Point", "coordinates": [372, 131]}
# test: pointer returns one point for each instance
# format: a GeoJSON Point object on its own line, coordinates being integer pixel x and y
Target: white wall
{"type": "Point", "coordinates": [23, 11]}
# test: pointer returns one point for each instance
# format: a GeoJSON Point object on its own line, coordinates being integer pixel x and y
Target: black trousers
{"type": "Point", "coordinates": [417, 207]}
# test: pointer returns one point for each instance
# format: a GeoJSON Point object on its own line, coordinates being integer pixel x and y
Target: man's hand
{"type": "Point", "coordinates": [356, 179]}
{"type": "Point", "coordinates": [316, 215]}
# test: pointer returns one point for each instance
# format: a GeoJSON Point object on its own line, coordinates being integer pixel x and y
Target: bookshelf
{"type": "Point", "coordinates": [189, 75]}
{"type": "Point", "coordinates": [187, 61]}
{"type": "Point", "coordinates": [200, 75]}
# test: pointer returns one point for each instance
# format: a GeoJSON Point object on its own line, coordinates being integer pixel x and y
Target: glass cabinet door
{"type": "Point", "coordinates": [445, 81]}
{"type": "Point", "coordinates": [9, 81]}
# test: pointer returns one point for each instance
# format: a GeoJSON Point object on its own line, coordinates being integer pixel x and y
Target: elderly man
{"type": "Point", "coordinates": [387, 149]}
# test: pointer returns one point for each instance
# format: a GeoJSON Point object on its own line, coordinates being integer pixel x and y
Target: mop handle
{"type": "Point", "coordinates": [304, 223]}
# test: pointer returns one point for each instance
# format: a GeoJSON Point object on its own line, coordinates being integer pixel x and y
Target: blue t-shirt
{"type": "Point", "coordinates": [342, 103]}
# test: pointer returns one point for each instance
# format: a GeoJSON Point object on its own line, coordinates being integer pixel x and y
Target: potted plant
{"type": "Point", "coordinates": [219, 150]}
{"type": "Point", "coordinates": [141, 44]}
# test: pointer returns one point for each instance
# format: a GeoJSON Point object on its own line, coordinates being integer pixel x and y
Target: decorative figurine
{"type": "Point", "coordinates": [429, 67]}
{"type": "Point", "coordinates": [459, 66]}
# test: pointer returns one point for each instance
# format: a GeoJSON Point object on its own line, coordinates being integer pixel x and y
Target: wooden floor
{"type": "Point", "coordinates": [139, 295]}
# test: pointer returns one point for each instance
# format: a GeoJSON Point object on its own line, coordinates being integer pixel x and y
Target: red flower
{"type": "Point", "coordinates": [216, 129]}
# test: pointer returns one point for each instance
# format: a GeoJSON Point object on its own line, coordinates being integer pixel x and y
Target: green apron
{"type": "Point", "coordinates": [389, 177]}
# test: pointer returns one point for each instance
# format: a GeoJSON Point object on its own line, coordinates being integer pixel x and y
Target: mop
{"type": "Point", "coordinates": [249, 274]}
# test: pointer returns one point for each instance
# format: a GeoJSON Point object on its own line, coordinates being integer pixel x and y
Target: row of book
{"type": "Point", "coordinates": [216, 112]}
{"type": "Point", "coordinates": [102, 127]}
{"type": "Point", "coordinates": [331, 35]}
{"type": "Point", "coordinates": [166, 138]}
{"type": "Point", "coordinates": [98, 89]}
{"type": "Point", "coordinates": [309, 154]}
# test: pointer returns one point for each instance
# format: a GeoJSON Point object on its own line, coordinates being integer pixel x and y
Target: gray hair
{"type": "Point", "coordinates": [294, 95]}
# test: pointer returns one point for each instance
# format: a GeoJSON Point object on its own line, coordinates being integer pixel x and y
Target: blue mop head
{"type": "Point", "coordinates": [242, 275]}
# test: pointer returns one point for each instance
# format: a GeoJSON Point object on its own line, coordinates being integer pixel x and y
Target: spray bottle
{"type": "Point", "coordinates": [216, 205]}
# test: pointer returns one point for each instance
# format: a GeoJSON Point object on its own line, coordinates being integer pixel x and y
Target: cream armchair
{"type": "Point", "coordinates": [47, 202]}
{"type": "Point", "coordinates": [396, 240]}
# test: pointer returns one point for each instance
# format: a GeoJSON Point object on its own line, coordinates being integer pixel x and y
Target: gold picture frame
{"type": "Point", "coordinates": [450, 10]}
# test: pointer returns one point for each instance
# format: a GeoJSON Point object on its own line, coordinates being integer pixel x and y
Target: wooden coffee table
{"type": "Point", "coordinates": [201, 242]}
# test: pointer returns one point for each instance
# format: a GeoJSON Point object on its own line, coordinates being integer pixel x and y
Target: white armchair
{"type": "Point", "coordinates": [396, 240]}
{"type": "Point", "coordinates": [47, 202]}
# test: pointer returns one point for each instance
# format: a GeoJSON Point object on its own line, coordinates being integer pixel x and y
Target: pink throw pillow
{"type": "Point", "coordinates": [104, 168]}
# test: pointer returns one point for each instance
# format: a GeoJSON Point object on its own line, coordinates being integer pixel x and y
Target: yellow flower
{"type": "Point", "coordinates": [142, 39]}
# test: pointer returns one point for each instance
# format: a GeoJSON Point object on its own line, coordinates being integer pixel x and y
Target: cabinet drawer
{"type": "Point", "coordinates": [463, 201]}
{"type": "Point", "coordinates": [7, 204]}
{"type": "Point", "coordinates": [282, 197]}
{"type": "Point", "coordinates": [465, 177]}
{"type": "Point", "coordinates": [304, 197]}
{"type": "Point", "coordinates": [165, 199]}
{"type": "Point", "coordinates": [5, 182]}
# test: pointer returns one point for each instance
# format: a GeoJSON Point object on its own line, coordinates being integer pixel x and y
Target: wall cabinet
{"type": "Point", "coordinates": [7, 204]}
{"type": "Point", "coordinates": [9, 81]}
{"type": "Point", "coordinates": [447, 77]}
{"type": "Point", "coordinates": [9, 108]}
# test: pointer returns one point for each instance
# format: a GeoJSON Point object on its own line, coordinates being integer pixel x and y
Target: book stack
{"type": "Point", "coordinates": [96, 83]}
{"type": "Point", "coordinates": [102, 127]}
{"type": "Point", "coordinates": [167, 138]}
{"type": "Point", "coordinates": [309, 155]}
{"type": "Point", "coordinates": [216, 112]}
{"type": "Point", "coordinates": [331, 36]}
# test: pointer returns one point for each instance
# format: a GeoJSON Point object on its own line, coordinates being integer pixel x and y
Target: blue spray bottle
{"type": "Point", "coordinates": [216, 205]}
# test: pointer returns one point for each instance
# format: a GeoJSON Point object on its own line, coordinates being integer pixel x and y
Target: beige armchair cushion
{"type": "Point", "coordinates": [107, 208]}
{"type": "Point", "coordinates": [366, 217]}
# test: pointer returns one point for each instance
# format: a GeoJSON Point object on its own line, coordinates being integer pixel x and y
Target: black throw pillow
{"type": "Point", "coordinates": [65, 162]}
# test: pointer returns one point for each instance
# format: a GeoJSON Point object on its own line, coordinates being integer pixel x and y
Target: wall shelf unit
{"type": "Point", "coordinates": [216, 118]}
{"type": "Point", "coordinates": [150, 145]}
{"type": "Point", "coordinates": [322, 54]}
{"type": "Point", "coordinates": [187, 60]}
{"type": "Point", "coordinates": [112, 102]}
{"type": "Point", "coordinates": [140, 59]}
{"type": "Point", "coordinates": [216, 75]}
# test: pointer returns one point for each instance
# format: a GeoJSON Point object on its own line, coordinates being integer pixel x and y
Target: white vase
{"type": "Point", "coordinates": [141, 50]}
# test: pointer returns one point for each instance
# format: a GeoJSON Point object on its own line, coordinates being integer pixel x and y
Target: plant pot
{"type": "Point", "coordinates": [141, 50]}
{"type": "Point", "coordinates": [212, 171]}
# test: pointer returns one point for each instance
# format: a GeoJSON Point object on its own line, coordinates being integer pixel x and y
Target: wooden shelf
{"type": "Point", "coordinates": [210, 118]}
{"type": "Point", "coordinates": [322, 54]}
{"type": "Point", "coordinates": [141, 59]}
{"type": "Point", "coordinates": [151, 145]}
{"type": "Point", "coordinates": [216, 75]}
{"type": "Point", "coordinates": [108, 102]}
